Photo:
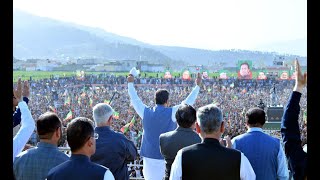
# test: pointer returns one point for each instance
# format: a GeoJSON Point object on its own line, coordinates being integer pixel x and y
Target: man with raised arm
{"type": "Point", "coordinates": [155, 121]}
{"type": "Point", "coordinates": [290, 132]}
{"type": "Point", "coordinates": [27, 122]}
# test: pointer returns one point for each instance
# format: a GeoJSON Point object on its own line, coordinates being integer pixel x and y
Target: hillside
{"type": "Point", "coordinates": [40, 37]}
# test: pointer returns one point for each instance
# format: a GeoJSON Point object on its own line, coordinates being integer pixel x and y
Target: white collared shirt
{"type": "Point", "coordinates": [246, 170]}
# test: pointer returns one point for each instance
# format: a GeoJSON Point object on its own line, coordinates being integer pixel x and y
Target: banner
{"type": "Point", "coordinates": [205, 74]}
{"type": "Point", "coordinates": [186, 75]}
{"type": "Point", "coordinates": [223, 74]}
{"type": "Point", "coordinates": [284, 75]}
{"type": "Point", "coordinates": [167, 74]}
{"type": "Point", "coordinates": [244, 69]}
{"type": "Point", "coordinates": [262, 75]}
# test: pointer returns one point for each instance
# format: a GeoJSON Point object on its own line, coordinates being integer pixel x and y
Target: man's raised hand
{"type": "Point", "coordinates": [26, 89]}
{"type": "Point", "coordinates": [301, 79]}
{"type": "Point", "coordinates": [18, 91]}
{"type": "Point", "coordinates": [130, 78]}
{"type": "Point", "coordinates": [199, 79]}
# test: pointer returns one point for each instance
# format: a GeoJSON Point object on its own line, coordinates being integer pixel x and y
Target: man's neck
{"type": "Point", "coordinates": [212, 136]}
{"type": "Point", "coordinates": [82, 152]}
{"type": "Point", "coordinates": [49, 141]}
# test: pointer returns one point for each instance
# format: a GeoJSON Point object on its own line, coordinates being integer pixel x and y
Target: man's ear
{"type": "Point", "coordinates": [89, 142]}
{"type": "Point", "coordinates": [222, 127]}
{"type": "Point", "coordinates": [58, 132]}
{"type": "Point", "coordinates": [110, 119]}
{"type": "Point", "coordinates": [198, 128]}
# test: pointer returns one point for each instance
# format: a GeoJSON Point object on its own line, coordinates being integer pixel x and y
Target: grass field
{"type": "Point", "coordinates": [36, 75]}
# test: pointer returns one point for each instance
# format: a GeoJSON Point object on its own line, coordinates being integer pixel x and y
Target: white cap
{"type": "Point", "coordinates": [134, 72]}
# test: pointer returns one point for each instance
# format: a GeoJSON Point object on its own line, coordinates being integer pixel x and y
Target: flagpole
{"type": "Point", "coordinates": [112, 97]}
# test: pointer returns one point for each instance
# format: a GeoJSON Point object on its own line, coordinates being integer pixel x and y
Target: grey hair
{"type": "Point", "coordinates": [209, 118]}
{"type": "Point", "coordinates": [102, 112]}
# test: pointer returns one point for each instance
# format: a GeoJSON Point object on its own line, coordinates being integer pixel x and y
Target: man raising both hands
{"type": "Point", "coordinates": [155, 121]}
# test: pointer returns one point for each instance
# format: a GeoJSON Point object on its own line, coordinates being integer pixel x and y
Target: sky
{"type": "Point", "coordinates": [204, 24]}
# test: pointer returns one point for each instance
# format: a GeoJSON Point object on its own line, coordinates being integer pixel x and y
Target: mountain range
{"type": "Point", "coordinates": [44, 38]}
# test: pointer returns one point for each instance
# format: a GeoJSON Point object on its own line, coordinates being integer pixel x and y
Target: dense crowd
{"type": "Point", "coordinates": [233, 96]}
{"type": "Point", "coordinates": [78, 95]}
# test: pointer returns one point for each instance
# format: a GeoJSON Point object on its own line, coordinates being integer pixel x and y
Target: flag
{"type": "Point", "coordinates": [91, 101]}
{"type": "Point", "coordinates": [106, 101]}
{"type": "Point", "coordinates": [232, 85]}
{"type": "Point", "coordinates": [67, 100]}
{"type": "Point", "coordinates": [79, 100]}
{"type": "Point", "coordinates": [69, 116]}
{"type": "Point", "coordinates": [305, 116]}
{"type": "Point", "coordinates": [215, 103]}
{"type": "Point", "coordinates": [243, 111]}
{"type": "Point", "coordinates": [116, 115]}
{"type": "Point", "coordinates": [126, 127]}
{"type": "Point", "coordinates": [133, 120]}
{"type": "Point", "coordinates": [53, 109]}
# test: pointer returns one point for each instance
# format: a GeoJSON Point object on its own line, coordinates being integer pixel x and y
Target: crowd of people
{"type": "Point", "coordinates": [232, 95]}
{"type": "Point", "coordinates": [71, 97]}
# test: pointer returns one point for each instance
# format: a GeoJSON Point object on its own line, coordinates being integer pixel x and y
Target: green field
{"type": "Point", "coordinates": [36, 75]}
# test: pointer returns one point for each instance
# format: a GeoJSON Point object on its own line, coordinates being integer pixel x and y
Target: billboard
{"type": "Point", "coordinates": [284, 75]}
{"type": "Point", "coordinates": [167, 74]}
{"type": "Point", "coordinates": [186, 75]}
{"type": "Point", "coordinates": [205, 74]}
{"type": "Point", "coordinates": [223, 74]}
{"type": "Point", "coordinates": [244, 71]}
{"type": "Point", "coordinates": [262, 75]}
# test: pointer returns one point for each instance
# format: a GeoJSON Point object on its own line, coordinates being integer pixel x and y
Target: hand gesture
{"type": "Point", "coordinates": [18, 92]}
{"type": "Point", "coordinates": [26, 89]}
{"type": "Point", "coordinates": [199, 79]}
{"type": "Point", "coordinates": [301, 79]}
{"type": "Point", "coordinates": [130, 78]}
{"type": "Point", "coordinates": [228, 140]}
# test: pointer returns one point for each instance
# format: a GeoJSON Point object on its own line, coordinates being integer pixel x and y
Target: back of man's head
{"type": "Point", "coordinates": [101, 113]}
{"type": "Point", "coordinates": [209, 118]}
{"type": "Point", "coordinates": [161, 96]}
{"type": "Point", "coordinates": [79, 130]}
{"type": "Point", "coordinates": [186, 116]}
{"type": "Point", "coordinates": [47, 124]}
{"type": "Point", "coordinates": [255, 117]}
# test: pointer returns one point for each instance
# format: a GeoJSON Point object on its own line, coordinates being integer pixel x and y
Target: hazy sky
{"type": "Point", "coordinates": [207, 24]}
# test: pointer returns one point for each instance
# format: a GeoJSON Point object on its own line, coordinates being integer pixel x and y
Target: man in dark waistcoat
{"type": "Point", "coordinates": [210, 159]}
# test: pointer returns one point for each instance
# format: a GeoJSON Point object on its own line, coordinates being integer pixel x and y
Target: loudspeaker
{"type": "Point", "coordinates": [274, 114]}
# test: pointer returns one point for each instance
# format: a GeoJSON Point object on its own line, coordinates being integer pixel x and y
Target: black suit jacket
{"type": "Point", "coordinates": [290, 132]}
{"type": "Point", "coordinates": [171, 142]}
